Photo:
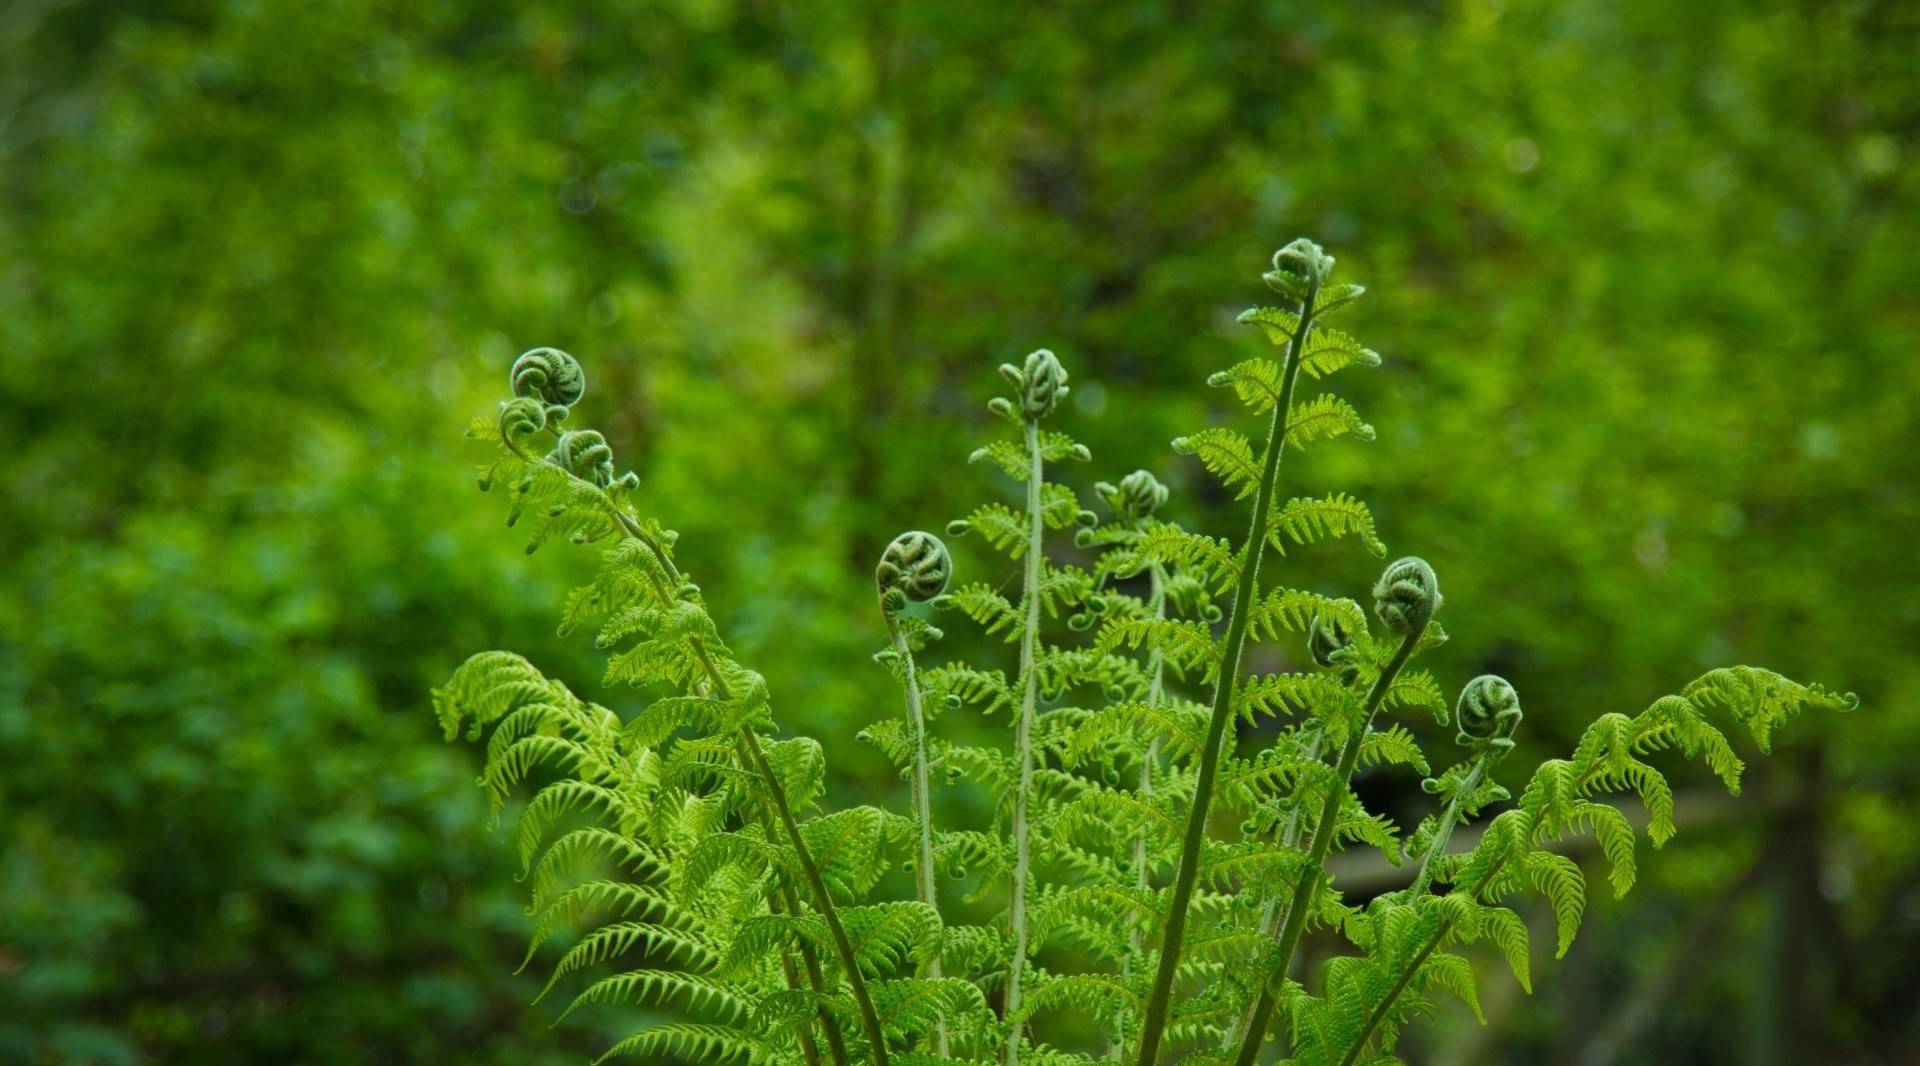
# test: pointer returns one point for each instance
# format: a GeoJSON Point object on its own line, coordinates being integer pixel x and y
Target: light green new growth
{"type": "Point", "coordinates": [916, 568]}
{"type": "Point", "coordinates": [710, 880]}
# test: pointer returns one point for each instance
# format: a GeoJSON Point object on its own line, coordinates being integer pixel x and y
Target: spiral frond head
{"type": "Point", "coordinates": [585, 454]}
{"type": "Point", "coordinates": [1328, 638]}
{"type": "Point", "coordinates": [1488, 713]}
{"type": "Point", "coordinates": [1298, 268]}
{"type": "Point", "coordinates": [1138, 495]}
{"type": "Point", "coordinates": [1406, 595]}
{"type": "Point", "coordinates": [520, 418]}
{"type": "Point", "coordinates": [1043, 384]}
{"type": "Point", "coordinates": [549, 374]}
{"type": "Point", "coordinates": [914, 568]}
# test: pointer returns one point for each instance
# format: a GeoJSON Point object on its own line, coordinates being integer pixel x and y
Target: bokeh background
{"type": "Point", "coordinates": [1644, 276]}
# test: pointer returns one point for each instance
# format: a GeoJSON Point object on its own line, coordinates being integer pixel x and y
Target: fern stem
{"type": "Point", "coordinates": [836, 1043]}
{"type": "Point", "coordinates": [1159, 1001]}
{"type": "Point", "coordinates": [816, 886]}
{"type": "Point", "coordinates": [1444, 830]}
{"type": "Point", "coordinates": [808, 1050]}
{"type": "Point", "coordinates": [1156, 691]}
{"type": "Point", "coordinates": [823, 900]}
{"type": "Point", "coordinates": [924, 874]}
{"type": "Point", "coordinates": [1379, 1013]}
{"type": "Point", "coordinates": [783, 902]}
{"type": "Point", "coordinates": [1274, 917]}
{"type": "Point", "coordinates": [1023, 742]}
{"type": "Point", "coordinates": [1315, 869]}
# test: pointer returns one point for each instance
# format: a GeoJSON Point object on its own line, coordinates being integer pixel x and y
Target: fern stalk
{"type": "Point", "coordinates": [1159, 1001]}
{"type": "Point", "coordinates": [808, 1050]}
{"type": "Point", "coordinates": [1274, 917]}
{"type": "Point", "coordinates": [784, 902]}
{"type": "Point", "coordinates": [1023, 740]}
{"type": "Point", "coordinates": [1315, 869]}
{"type": "Point", "coordinates": [842, 946]}
{"type": "Point", "coordinates": [1156, 692]}
{"type": "Point", "coordinates": [924, 875]}
{"type": "Point", "coordinates": [1444, 831]}
{"type": "Point", "coordinates": [1379, 1013]}
{"type": "Point", "coordinates": [1423, 878]}
{"type": "Point", "coordinates": [816, 886]}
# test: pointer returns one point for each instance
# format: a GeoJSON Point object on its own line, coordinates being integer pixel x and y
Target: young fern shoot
{"type": "Point", "coordinates": [1300, 272]}
{"type": "Point", "coordinates": [694, 849]}
{"type": "Point", "coordinates": [914, 569]}
{"type": "Point", "coordinates": [1039, 385]}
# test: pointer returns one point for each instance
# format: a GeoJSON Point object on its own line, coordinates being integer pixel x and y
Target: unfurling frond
{"type": "Point", "coordinates": [682, 859]}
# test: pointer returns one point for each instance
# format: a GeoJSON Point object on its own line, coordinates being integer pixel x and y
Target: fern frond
{"type": "Point", "coordinates": [1189, 647]}
{"type": "Point", "coordinates": [1307, 520]}
{"type": "Point", "coordinates": [689, 1042]}
{"type": "Point", "coordinates": [1293, 611]}
{"type": "Point", "coordinates": [1208, 560]}
{"type": "Point", "coordinates": [1323, 418]}
{"type": "Point", "coordinates": [1508, 931]}
{"type": "Point", "coordinates": [989, 610]}
{"type": "Point", "coordinates": [1256, 381]}
{"type": "Point", "coordinates": [609, 942]}
{"type": "Point", "coordinates": [1329, 350]}
{"type": "Point", "coordinates": [1226, 455]}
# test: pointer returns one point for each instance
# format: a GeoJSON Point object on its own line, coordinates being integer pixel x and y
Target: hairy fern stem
{"type": "Point", "coordinates": [750, 743]}
{"type": "Point", "coordinates": [1160, 1000]}
{"type": "Point", "coordinates": [1023, 741]}
{"type": "Point", "coordinates": [925, 877]}
{"type": "Point", "coordinates": [1315, 870]}
{"type": "Point", "coordinates": [1149, 764]}
{"type": "Point", "coordinates": [1444, 831]}
{"type": "Point", "coordinates": [1380, 1012]}
{"type": "Point", "coordinates": [1274, 916]}
{"type": "Point", "coordinates": [808, 1049]}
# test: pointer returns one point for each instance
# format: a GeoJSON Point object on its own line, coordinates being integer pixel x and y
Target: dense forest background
{"type": "Point", "coordinates": [1644, 275]}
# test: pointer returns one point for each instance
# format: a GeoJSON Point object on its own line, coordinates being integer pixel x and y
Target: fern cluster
{"type": "Point", "coordinates": [696, 849]}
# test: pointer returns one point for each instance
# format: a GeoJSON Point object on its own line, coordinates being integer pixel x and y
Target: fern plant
{"type": "Point", "coordinates": [688, 853]}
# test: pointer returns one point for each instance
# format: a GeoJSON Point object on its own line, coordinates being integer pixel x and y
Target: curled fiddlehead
{"type": "Point", "coordinates": [1407, 594]}
{"type": "Point", "coordinates": [584, 453]}
{"type": "Point", "coordinates": [1298, 269]}
{"type": "Point", "coordinates": [1137, 497]}
{"type": "Point", "coordinates": [915, 568]}
{"type": "Point", "coordinates": [1328, 637]}
{"type": "Point", "coordinates": [521, 418]}
{"type": "Point", "coordinates": [1488, 713]}
{"type": "Point", "coordinates": [1041, 383]}
{"type": "Point", "coordinates": [550, 375]}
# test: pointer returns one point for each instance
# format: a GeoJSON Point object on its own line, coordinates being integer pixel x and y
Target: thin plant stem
{"type": "Point", "coordinates": [808, 1050]}
{"type": "Point", "coordinates": [1444, 831]}
{"type": "Point", "coordinates": [777, 793]}
{"type": "Point", "coordinates": [1156, 692]}
{"type": "Point", "coordinates": [836, 1043]}
{"type": "Point", "coordinates": [1274, 916]}
{"type": "Point", "coordinates": [823, 900]}
{"type": "Point", "coordinates": [1023, 745]}
{"type": "Point", "coordinates": [1379, 1013]}
{"type": "Point", "coordinates": [1160, 999]}
{"type": "Point", "coordinates": [925, 877]}
{"type": "Point", "coordinates": [1315, 869]}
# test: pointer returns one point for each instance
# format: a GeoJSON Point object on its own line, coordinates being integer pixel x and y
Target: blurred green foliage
{"type": "Point", "coordinates": [1643, 274]}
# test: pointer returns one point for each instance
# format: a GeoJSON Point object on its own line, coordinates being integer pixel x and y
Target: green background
{"type": "Point", "coordinates": [1643, 274]}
